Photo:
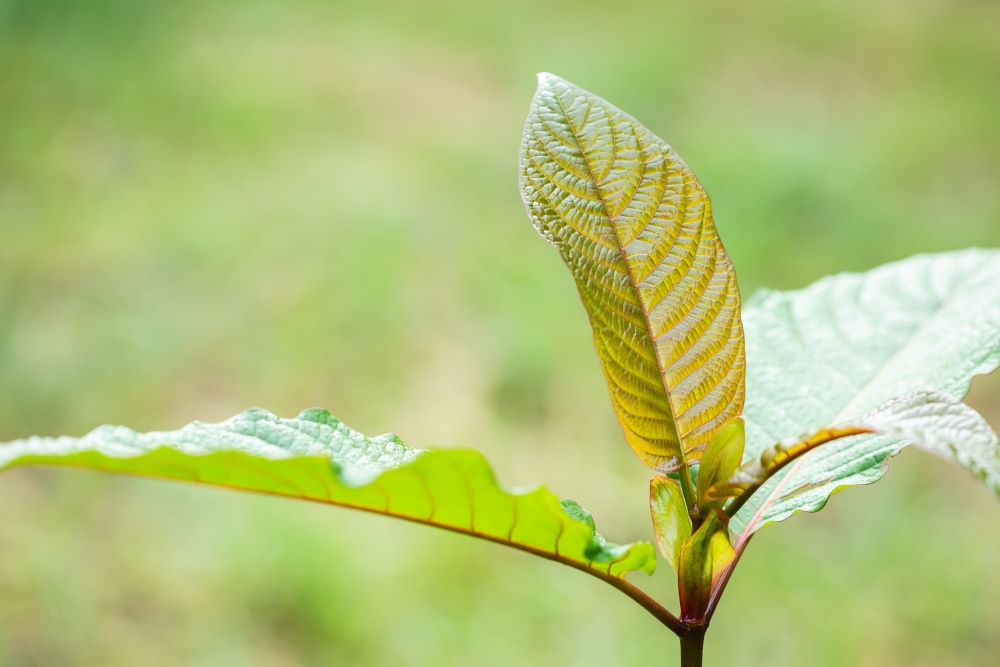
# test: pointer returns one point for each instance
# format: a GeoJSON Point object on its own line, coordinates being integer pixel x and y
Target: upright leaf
{"type": "Point", "coordinates": [316, 457]}
{"type": "Point", "coordinates": [834, 351]}
{"type": "Point", "coordinates": [722, 457]}
{"type": "Point", "coordinates": [635, 228]}
{"type": "Point", "coordinates": [671, 522]}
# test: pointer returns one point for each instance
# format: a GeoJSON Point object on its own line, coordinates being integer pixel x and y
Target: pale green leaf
{"type": "Point", "coordinates": [635, 228]}
{"type": "Point", "coordinates": [936, 423]}
{"type": "Point", "coordinates": [316, 457]}
{"type": "Point", "coordinates": [833, 352]}
{"type": "Point", "coordinates": [930, 420]}
{"type": "Point", "coordinates": [671, 522]}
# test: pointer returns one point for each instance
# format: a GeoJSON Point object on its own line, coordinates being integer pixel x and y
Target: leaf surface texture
{"type": "Point", "coordinates": [316, 457]}
{"type": "Point", "coordinates": [837, 350]}
{"type": "Point", "coordinates": [635, 228]}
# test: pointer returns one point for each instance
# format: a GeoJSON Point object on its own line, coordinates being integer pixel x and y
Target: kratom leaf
{"type": "Point", "coordinates": [833, 352]}
{"type": "Point", "coordinates": [703, 559]}
{"type": "Point", "coordinates": [929, 420]}
{"type": "Point", "coordinates": [316, 457]}
{"type": "Point", "coordinates": [722, 458]}
{"type": "Point", "coordinates": [671, 523]}
{"type": "Point", "coordinates": [635, 228]}
{"type": "Point", "coordinates": [936, 423]}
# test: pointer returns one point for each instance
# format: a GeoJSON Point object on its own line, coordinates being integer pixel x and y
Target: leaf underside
{"type": "Point", "coordinates": [833, 352]}
{"type": "Point", "coordinates": [929, 420]}
{"type": "Point", "coordinates": [316, 457]}
{"type": "Point", "coordinates": [635, 228]}
{"type": "Point", "coordinates": [934, 422]}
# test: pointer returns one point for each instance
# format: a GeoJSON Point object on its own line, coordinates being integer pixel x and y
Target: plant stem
{"type": "Point", "coordinates": [692, 645]}
{"type": "Point", "coordinates": [686, 489]}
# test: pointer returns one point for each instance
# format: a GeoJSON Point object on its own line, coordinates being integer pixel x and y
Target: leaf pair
{"type": "Point", "coordinates": [699, 558]}
{"type": "Point", "coordinates": [636, 230]}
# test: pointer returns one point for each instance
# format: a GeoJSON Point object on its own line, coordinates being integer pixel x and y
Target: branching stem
{"type": "Point", "coordinates": [659, 612]}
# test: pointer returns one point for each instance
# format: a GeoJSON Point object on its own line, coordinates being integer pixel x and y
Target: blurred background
{"type": "Point", "coordinates": [212, 205]}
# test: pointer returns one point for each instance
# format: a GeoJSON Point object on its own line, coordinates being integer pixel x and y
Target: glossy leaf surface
{"type": "Point", "coordinates": [635, 227]}
{"type": "Point", "coordinates": [316, 457]}
{"type": "Point", "coordinates": [835, 351]}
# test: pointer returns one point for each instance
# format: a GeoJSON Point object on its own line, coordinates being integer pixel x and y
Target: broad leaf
{"type": "Point", "coordinates": [930, 420]}
{"type": "Point", "coordinates": [938, 424]}
{"type": "Point", "coordinates": [671, 523]}
{"type": "Point", "coordinates": [316, 457]}
{"type": "Point", "coordinates": [835, 351]}
{"type": "Point", "coordinates": [635, 228]}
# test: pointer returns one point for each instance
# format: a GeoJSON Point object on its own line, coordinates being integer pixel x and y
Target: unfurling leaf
{"type": "Point", "coordinates": [703, 559]}
{"type": "Point", "coordinates": [722, 458]}
{"type": "Point", "coordinates": [635, 228]}
{"type": "Point", "coordinates": [316, 457]}
{"type": "Point", "coordinates": [671, 522]}
{"type": "Point", "coordinates": [835, 351]}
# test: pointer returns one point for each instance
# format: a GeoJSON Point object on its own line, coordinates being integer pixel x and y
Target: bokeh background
{"type": "Point", "coordinates": [209, 205]}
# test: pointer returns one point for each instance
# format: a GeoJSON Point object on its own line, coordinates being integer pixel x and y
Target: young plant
{"type": "Point", "coordinates": [746, 416]}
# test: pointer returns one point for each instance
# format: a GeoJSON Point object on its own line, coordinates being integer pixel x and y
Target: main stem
{"type": "Point", "coordinates": [692, 645]}
{"type": "Point", "coordinates": [686, 487]}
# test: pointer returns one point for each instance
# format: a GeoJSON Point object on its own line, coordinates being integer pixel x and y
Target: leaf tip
{"type": "Point", "coordinates": [548, 80]}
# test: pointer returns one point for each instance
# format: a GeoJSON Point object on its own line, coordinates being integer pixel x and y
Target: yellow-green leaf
{"type": "Point", "coordinates": [317, 457]}
{"type": "Point", "coordinates": [722, 458]}
{"type": "Point", "coordinates": [671, 522]}
{"type": "Point", "coordinates": [635, 227]}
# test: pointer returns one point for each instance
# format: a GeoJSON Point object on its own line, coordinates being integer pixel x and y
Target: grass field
{"type": "Point", "coordinates": [211, 205]}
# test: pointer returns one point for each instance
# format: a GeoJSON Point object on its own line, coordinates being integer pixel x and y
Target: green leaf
{"type": "Point", "coordinates": [316, 457]}
{"type": "Point", "coordinates": [722, 458]}
{"type": "Point", "coordinates": [930, 420]}
{"type": "Point", "coordinates": [833, 352]}
{"type": "Point", "coordinates": [635, 228]}
{"type": "Point", "coordinates": [671, 522]}
{"type": "Point", "coordinates": [703, 559]}
{"type": "Point", "coordinates": [936, 423]}
{"type": "Point", "coordinates": [755, 472]}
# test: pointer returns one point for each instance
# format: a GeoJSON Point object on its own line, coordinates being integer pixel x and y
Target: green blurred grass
{"type": "Point", "coordinates": [212, 205]}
